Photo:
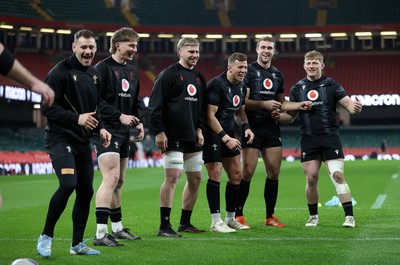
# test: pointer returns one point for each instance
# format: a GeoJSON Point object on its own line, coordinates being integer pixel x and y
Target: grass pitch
{"type": "Point", "coordinates": [375, 240]}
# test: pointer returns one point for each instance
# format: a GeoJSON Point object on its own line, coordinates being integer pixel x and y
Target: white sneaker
{"type": "Point", "coordinates": [349, 221]}
{"type": "Point", "coordinates": [312, 221]}
{"type": "Point", "coordinates": [234, 224]}
{"type": "Point", "coordinates": [221, 227]}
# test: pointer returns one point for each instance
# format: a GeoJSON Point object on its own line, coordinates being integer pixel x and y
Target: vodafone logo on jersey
{"type": "Point", "coordinates": [236, 101]}
{"type": "Point", "coordinates": [267, 83]}
{"type": "Point", "coordinates": [312, 95]}
{"type": "Point", "coordinates": [191, 89]}
{"type": "Point", "coordinates": [125, 85]}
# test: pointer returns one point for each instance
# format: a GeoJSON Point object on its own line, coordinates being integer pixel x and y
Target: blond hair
{"type": "Point", "coordinates": [121, 35]}
{"type": "Point", "coordinates": [314, 55]}
{"type": "Point", "coordinates": [187, 41]}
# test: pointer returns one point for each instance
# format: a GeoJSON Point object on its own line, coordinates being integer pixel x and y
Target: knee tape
{"type": "Point", "coordinates": [334, 166]}
{"type": "Point", "coordinates": [173, 160]}
{"type": "Point", "coordinates": [194, 163]}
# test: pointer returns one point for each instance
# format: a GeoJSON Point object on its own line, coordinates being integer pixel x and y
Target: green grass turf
{"type": "Point", "coordinates": [375, 240]}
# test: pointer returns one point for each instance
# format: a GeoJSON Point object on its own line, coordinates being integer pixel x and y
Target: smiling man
{"type": "Point", "coordinates": [177, 120]}
{"type": "Point", "coordinates": [71, 121]}
{"type": "Point", "coordinates": [320, 139]}
{"type": "Point", "coordinates": [120, 110]}
{"type": "Point", "coordinates": [225, 97]}
{"type": "Point", "coordinates": [265, 109]}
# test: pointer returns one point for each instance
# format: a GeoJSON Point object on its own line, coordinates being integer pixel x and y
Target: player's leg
{"type": "Point", "coordinates": [64, 166]}
{"type": "Point", "coordinates": [110, 171]}
{"type": "Point", "coordinates": [214, 198]}
{"type": "Point", "coordinates": [250, 160]}
{"type": "Point", "coordinates": [193, 167]}
{"type": "Point", "coordinates": [80, 212]}
{"type": "Point", "coordinates": [336, 172]}
{"type": "Point", "coordinates": [311, 170]}
{"type": "Point", "coordinates": [118, 230]}
{"type": "Point", "coordinates": [233, 170]}
{"type": "Point", "coordinates": [272, 158]}
{"type": "Point", "coordinates": [173, 166]}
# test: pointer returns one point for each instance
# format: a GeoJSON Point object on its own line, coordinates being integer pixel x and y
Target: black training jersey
{"type": "Point", "coordinates": [75, 87]}
{"type": "Point", "coordinates": [228, 97]}
{"type": "Point", "coordinates": [119, 94]}
{"type": "Point", "coordinates": [264, 84]}
{"type": "Point", "coordinates": [325, 93]}
{"type": "Point", "coordinates": [176, 103]}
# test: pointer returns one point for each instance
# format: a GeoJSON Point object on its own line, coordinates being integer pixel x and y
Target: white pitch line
{"type": "Point", "coordinates": [379, 201]}
{"type": "Point", "coordinates": [237, 239]}
{"type": "Point", "coordinates": [395, 176]}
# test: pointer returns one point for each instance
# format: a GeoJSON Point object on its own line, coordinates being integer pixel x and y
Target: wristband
{"type": "Point", "coordinates": [245, 126]}
{"type": "Point", "coordinates": [6, 61]}
{"type": "Point", "coordinates": [221, 134]}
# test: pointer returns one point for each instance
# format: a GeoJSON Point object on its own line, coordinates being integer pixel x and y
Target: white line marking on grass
{"type": "Point", "coordinates": [395, 176]}
{"type": "Point", "coordinates": [379, 201]}
{"type": "Point", "coordinates": [237, 239]}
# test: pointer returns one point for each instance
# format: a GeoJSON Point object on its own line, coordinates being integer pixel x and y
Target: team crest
{"type": "Point", "coordinates": [267, 83]}
{"type": "Point", "coordinates": [125, 85]}
{"type": "Point", "coordinates": [236, 100]}
{"type": "Point", "coordinates": [191, 89]}
{"type": "Point", "coordinates": [312, 94]}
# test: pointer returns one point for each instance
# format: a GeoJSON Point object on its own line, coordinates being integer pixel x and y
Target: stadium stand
{"type": "Point", "coordinates": [19, 9]}
{"type": "Point", "coordinates": [369, 12]}
{"type": "Point", "coordinates": [262, 14]}
{"type": "Point", "coordinates": [91, 11]}
{"type": "Point", "coordinates": [175, 13]}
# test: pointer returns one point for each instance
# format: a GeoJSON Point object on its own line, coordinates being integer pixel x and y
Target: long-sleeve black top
{"type": "Point", "coordinates": [177, 103]}
{"type": "Point", "coordinates": [119, 93]}
{"type": "Point", "coordinates": [75, 87]}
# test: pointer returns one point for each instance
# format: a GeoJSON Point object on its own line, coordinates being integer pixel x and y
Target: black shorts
{"type": "Point", "coordinates": [214, 149]}
{"type": "Point", "coordinates": [65, 149]}
{"type": "Point", "coordinates": [263, 138]}
{"type": "Point", "coordinates": [321, 147]}
{"type": "Point", "coordinates": [183, 147]}
{"type": "Point", "coordinates": [117, 145]}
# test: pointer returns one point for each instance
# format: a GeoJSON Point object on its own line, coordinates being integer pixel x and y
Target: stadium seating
{"type": "Point", "coordinates": [369, 12]}
{"type": "Point", "coordinates": [89, 11]}
{"type": "Point", "coordinates": [175, 13]}
{"type": "Point", "coordinates": [260, 13]}
{"type": "Point", "coordinates": [19, 9]}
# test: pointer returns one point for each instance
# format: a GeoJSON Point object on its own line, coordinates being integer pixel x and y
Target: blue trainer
{"type": "Point", "coordinates": [333, 202]}
{"type": "Point", "coordinates": [82, 249]}
{"type": "Point", "coordinates": [44, 246]}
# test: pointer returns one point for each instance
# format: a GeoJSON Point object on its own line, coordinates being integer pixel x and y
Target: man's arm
{"type": "Point", "coordinates": [231, 143]}
{"type": "Point", "coordinates": [351, 106]}
{"type": "Point", "coordinates": [261, 104]}
{"type": "Point", "coordinates": [21, 75]}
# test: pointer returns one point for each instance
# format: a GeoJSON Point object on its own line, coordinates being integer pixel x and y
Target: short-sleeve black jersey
{"type": "Point", "coordinates": [119, 94]}
{"type": "Point", "coordinates": [228, 97]}
{"type": "Point", "coordinates": [325, 93]}
{"type": "Point", "coordinates": [176, 103]}
{"type": "Point", "coordinates": [75, 88]}
{"type": "Point", "coordinates": [264, 84]}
